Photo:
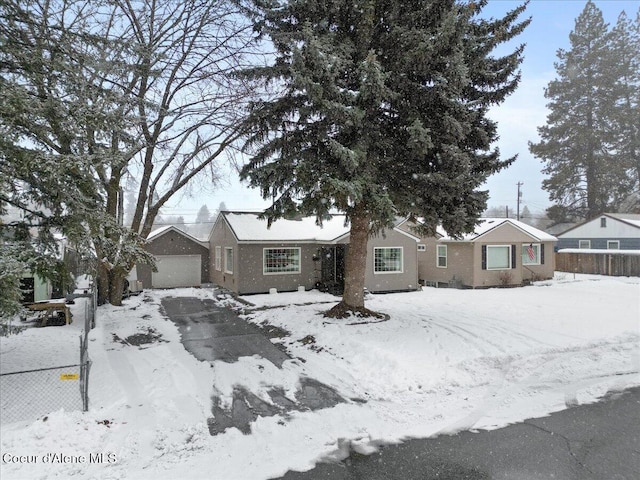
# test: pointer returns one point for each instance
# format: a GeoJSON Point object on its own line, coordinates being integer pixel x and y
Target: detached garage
{"type": "Point", "coordinates": [181, 260]}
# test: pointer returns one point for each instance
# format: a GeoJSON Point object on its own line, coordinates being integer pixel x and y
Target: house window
{"type": "Point", "coordinates": [280, 260]}
{"type": "Point", "coordinates": [584, 243]}
{"type": "Point", "coordinates": [422, 247]}
{"type": "Point", "coordinates": [442, 256]}
{"type": "Point", "coordinates": [531, 254]}
{"type": "Point", "coordinates": [387, 260]}
{"type": "Point", "coordinates": [218, 258]}
{"type": "Point", "coordinates": [603, 222]}
{"type": "Point", "coordinates": [228, 260]}
{"type": "Point", "coordinates": [498, 257]}
{"type": "Point", "coordinates": [613, 244]}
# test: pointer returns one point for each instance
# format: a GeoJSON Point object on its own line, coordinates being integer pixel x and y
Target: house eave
{"type": "Point", "coordinates": [479, 237]}
{"type": "Point", "coordinates": [287, 242]}
{"type": "Point", "coordinates": [180, 232]}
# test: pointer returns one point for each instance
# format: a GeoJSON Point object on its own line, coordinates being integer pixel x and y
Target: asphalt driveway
{"type": "Point", "coordinates": [211, 332]}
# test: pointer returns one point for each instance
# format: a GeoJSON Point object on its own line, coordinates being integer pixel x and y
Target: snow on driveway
{"type": "Point", "coordinates": [446, 360]}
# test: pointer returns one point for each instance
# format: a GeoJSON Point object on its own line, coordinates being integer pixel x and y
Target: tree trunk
{"type": "Point", "coordinates": [356, 261]}
{"type": "Point", "coordinates": [103, 283]}
{"type": "Point", "coordinates": [116, 285]}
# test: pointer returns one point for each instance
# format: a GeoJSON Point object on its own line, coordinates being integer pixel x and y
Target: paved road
{"type": "Point", "coordinates": [591, 442]}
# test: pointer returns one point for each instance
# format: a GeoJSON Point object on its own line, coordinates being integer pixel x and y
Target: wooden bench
{"type": "Point", "coordinates": [48, 308]}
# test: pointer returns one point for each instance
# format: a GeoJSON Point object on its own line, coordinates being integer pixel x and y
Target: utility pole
{"type": "Point", "coordinates": [519, 195]}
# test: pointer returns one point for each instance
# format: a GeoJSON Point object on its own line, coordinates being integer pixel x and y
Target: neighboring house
{"type": "Point", "coordinates": [501, 251]}
{"type": "Point", "coordinates": [181, 260]}
{"type": "Point", "coordinates": [249, 257]}
{"type": "Point", "coordinates": [35, 288]}
{"type": "Point", "coordinates": [609, 231]}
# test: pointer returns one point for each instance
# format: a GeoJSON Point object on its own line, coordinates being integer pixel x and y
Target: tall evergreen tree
{"type": "Point", "coordinates": [203, 222]}
{"type": "Point", "coordinates": [203, 215]}
{"type": "Point", "coordinates": [381, 112]}
{"type": "Point", "coordinates": [624, 97]}
{"type": "Point", "coordinates": [578, 142]}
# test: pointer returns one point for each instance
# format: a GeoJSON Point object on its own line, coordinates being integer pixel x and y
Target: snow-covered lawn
{"type": "Point", "coordinates": [446, 360]}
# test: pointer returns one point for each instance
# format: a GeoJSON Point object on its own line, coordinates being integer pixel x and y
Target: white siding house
{"type": "Point", "coordinates": [609, 231]}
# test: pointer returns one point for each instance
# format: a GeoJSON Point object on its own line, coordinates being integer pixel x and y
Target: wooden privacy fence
{"type": "Point", "coordinates": [605, 263]}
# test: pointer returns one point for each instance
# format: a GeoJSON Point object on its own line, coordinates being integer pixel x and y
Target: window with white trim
{"type": "Point", "coordinates": [613, 244]}
{"type": "Point", "coordinates": [531, 254]}
{"type": "Point", "coordinates": [228, 259]}
{"type": "Point", "coordinates": [218, 258]}
{"type": "Point", "coordinates": [441, 254]}
{"type": "Point", "coordinates": [584, 243]}
{"type": "Point", "coordinates": [387, 260]}
{"type": "Point", "coordinates": [498, 257]}
{"type": "Point", "coordinates": [280, 260]}
{"type": "Point", "coordinates": [422, 247]}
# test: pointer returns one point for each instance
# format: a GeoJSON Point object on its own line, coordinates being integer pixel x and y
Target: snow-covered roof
{"type": "Point", "coordinates": [162, 230]}
{"type": "Point", "coordinates": [486, 225]}
{"type": "Point", "coordinates": [158, 231]}
{"type": "Point", "coordinates": [630, 218]}
{"type": "Point", "coordinates": [248, 227]}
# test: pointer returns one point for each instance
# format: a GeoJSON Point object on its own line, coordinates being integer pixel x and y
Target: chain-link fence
{"type": "Point", "coordinates": [29, 394]}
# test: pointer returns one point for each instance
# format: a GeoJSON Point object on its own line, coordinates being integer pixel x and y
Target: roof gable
{"type": "Point", "coordinates": [628, 219]}
{"type": "Point", "coordinates": [159, 232]}
{"type": "Point", "coordinates": [488, 225]}
{"type": "Point", "coordinates": [632, 219]}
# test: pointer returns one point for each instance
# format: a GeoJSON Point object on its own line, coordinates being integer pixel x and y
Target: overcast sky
{"type": "Point", "coordinates": [518, 117]}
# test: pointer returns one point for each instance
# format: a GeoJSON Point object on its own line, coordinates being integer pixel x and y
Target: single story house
{"type": "Point", "coordinates": [181, 260]}
{"type": "Point", "coordinates": [250, 257]}
{"type": "Point", "coordinates": [499, 252]}
{"type": "Point", "coordinates": [35, 288]}
{"type": "Point", "coordinates": [609, 231]}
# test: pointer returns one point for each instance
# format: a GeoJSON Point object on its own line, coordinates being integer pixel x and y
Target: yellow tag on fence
{"type": "Point", "coordinates": [69, 376]}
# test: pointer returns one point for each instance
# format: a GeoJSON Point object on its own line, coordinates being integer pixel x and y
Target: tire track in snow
{"type": "Point", "coordinates": [534, 382]}
{"type": "Point", "coordinates": [139, 440]}
{"type": "Point", "coordinates": [505, 330]}
{"type": "Point", "coordinates": [469, 337]}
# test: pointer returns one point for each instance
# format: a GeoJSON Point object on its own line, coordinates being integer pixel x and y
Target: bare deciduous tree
{"type": "Point", "coordinates": [138, 90]}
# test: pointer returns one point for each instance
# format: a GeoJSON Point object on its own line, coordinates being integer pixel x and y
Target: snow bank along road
{"type": "Point", "coordinates": [447, 360]}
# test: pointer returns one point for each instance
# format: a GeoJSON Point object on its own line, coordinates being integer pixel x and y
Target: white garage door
{"type": "Point", "coordinates": [177, 271]}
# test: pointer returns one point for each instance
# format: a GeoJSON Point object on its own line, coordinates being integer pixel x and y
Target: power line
{"type": "Point", "coordinates": [185, 223]}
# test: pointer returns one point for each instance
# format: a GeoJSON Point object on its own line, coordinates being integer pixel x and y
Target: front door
{"type": "Point", "coordinates": [332, 268]}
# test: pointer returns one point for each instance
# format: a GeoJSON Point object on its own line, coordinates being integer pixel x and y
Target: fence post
{"type": "Point", "coordinates": [85, 365]}
{"type": "Point", "coordinates": [94, 306]}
